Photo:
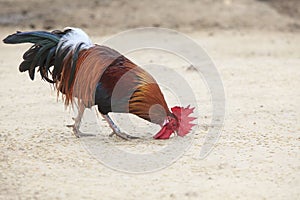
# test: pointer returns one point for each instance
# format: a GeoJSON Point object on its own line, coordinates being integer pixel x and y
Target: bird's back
{"type": "Point", "coordinates": [127, 88]}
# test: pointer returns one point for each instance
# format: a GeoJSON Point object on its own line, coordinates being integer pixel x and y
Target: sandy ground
{"type": "Point", "coordinates": [255, 46]}
{"type": "Point", "coordinates": [257, 156]}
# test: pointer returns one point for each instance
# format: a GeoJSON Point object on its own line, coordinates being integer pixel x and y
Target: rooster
{"type": "Point", "coordinates": [98, 75]}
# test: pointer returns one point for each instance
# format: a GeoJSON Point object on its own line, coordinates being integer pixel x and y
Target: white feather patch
{"type": "Point", "coordinates": [74, 37]}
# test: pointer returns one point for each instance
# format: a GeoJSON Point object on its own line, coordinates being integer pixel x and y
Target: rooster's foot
{"type": "Point", "coordinates": [70, 125]}
{"type": "Point", "coordinates": [116, 130]}
{"type": "Point", "coordinates": [78, 133]}
{"type": "Point", "coordinates": [123, 135]}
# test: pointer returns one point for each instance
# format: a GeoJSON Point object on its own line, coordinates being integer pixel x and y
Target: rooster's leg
{"type": "Point", "coordinates": [116, 130]}
{"type": "Point", "coordinates": [77, 123]}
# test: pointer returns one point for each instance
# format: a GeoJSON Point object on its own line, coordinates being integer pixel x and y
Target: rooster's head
{"type": "Point", "coordinates": [179, 122]}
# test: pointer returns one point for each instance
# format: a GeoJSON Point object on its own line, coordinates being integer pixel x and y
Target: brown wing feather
{"type": "Point", "coordinates": [133, 89]}
{"type": "Point", "coordinates": [90, 66]}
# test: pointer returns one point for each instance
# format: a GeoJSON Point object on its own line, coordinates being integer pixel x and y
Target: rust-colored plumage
{"type": "Point", "coordinates": [90, 66]}
{"type": "Point", "coordinates": [130, 86]}
{"type": "Point", "coordinates": [99, 75]}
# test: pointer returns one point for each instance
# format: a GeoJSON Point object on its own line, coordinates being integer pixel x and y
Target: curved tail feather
{"type": "Point", "coordinates": [40, 55]}
{"type": "Point", "coordinates": [49, 49]}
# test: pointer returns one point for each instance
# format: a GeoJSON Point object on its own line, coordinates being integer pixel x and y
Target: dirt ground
{"type": "Point", "coordinates": [255, 46]}
{"type": "Point", "coordinates": [108, 17]}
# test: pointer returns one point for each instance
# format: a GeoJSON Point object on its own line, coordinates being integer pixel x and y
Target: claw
{"type": "Point", "coordinates": [116, 130]}
{"type": "Point", "coordinates": [79, 134]}
{"type": "Point", "coordinates": [70, 125]}
{"type": "Point", "coordinates": [77, 123]}
{"type": "Point", "coordinates": [123, 135]}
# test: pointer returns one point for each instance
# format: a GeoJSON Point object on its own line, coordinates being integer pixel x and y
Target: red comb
{"type": "Point", "coordinates": [184, 120]}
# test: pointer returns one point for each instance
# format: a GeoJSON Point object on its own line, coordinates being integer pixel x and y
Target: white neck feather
{"type": "Point", "coordinates": [74, 37]}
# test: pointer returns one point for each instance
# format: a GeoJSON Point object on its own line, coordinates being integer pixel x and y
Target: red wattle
{"type": "Point", "coordinates": [164, 133]}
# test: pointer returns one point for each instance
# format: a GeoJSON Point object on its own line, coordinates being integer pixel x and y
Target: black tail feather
{"type": "Point", "coordinates": [50, 53]}
{"type": "Point", "coordinates": [41, 55]}
{"type": "Point", "coordinates": [31, 37]}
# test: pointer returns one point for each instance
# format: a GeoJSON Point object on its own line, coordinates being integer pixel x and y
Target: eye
{"type": "Point", "coordinates": [174, 124]}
